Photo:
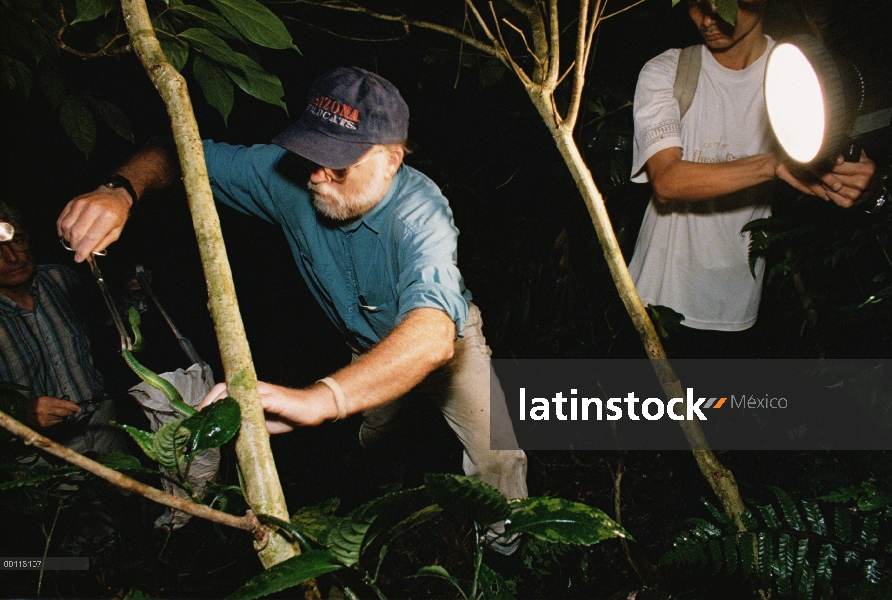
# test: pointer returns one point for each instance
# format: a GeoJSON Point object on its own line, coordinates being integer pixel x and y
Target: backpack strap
{"type": "Point", "coordinates": [686, 76]}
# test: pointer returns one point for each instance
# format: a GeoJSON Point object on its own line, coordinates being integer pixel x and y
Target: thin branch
{"type": "Point", "coordinates": [506, 55]}
{"type": "Point", "coordinates": [523, 37]}
{"type": "Point", "coordinates": [339, 35]}
{"type": "Point", "coordinates": [567, 72]}
{"type": "Point", "coordinates": [466, 24]}
{"type": "Point", "coordinates": [524, 9]}
{"type": "Point", "coordinates": [101, 53]}
{"type": "Point", "coordinates": [554, 30]}
{"type": "Point", "coordinates": [622, 10]}
{"type": "Point", "coordinates": [627, 104]}
{"type": "Point", "coordinates": [481, 22]}
{"type": "Point", "coordinates": [579, 73]}
{"type": "Point", "coordinates": [406, 22]}
{"type": "Point", "coordinates": [30, 437]}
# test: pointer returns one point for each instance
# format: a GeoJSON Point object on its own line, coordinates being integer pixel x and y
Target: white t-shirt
{"type": "Point", "coordinates": [691, 256]}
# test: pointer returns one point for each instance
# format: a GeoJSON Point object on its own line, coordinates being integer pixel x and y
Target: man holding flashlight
{"type": "Point", "coordinates": [713, 170]}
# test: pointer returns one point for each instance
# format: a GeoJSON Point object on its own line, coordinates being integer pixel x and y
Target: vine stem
{"type": "Point", "coordinates": [30, 437]}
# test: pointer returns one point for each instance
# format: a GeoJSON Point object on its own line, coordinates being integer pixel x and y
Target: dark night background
{"type": "Point", "coordinates": [527, 251]}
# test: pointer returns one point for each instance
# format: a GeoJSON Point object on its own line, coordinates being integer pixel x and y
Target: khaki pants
{"type": "Point", "coordinates": [466, 389]}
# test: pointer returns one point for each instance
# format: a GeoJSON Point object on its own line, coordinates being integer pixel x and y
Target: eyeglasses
{"type": "Point", "coordinates": [9, 239]}
{"type": "Point", "coordinates": [340, 175]}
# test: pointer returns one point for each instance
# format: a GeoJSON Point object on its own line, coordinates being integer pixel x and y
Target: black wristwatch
{"type": "Point", "coordinates": [119, 181]}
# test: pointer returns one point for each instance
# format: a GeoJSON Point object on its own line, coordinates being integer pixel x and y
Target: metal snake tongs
{"type": "Point", "coordinates": [126, 343]}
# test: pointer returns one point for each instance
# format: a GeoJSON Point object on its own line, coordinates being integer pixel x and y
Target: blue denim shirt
{"type": "Point", "coordinates": [366, 275]}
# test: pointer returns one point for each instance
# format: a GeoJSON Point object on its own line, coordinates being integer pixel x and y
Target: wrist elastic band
{"type": "Point", "coordinates": [338, 396]}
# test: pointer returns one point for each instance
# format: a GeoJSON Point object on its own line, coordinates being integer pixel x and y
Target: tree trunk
{"type": "Point", "coordinates": [262, 488]}
{"type": "Point", "coordinates": [719, 477]}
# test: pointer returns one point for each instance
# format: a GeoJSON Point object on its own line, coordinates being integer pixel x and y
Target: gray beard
{"type": "Point", "coordinates": [335, 204]}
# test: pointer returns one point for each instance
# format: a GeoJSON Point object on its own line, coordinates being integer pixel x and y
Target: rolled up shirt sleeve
{"type": "Point", "coordinates": [655, 112]}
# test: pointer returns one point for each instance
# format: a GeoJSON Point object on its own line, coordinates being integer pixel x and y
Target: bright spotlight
{"type": "Point", "coordinates": [819, 104]}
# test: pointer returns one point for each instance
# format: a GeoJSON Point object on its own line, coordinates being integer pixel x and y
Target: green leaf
{"type": "Point", "coordinates": [559, 520]}
{"type": "Point", "coordinates": [209, 20]}
{"type": "Point", "coordinates": [747, 553]}
{"type": "Point", "coordinates": [213, 426]}
{"type": "Point", "coordinates": [436, 571]}
{"type": "Point", "coordinates": [715, 550]}
{"type": "Point", "coordinates": [176, 51]}
{"type": "Point", "coordinates": [665, 319]}
{"type": "Point", "coordinates": [136, 594]}
{"type": "Point", "coordinates": [493, 586]}
{"type": "Point", "coordinates": [316, 522]}
{"type": "Point", "coordinates": [727, 10]}
{"type": "Point", "coordinates": [814, 516]}
{"type": "Point", "coordinates": [749, 520]}
{"type": "Point", "coordinates": [806, 581]}
{"type": "Point", "coordinates": [842, 524]}
{"type": "Point", "coordinates": [17, 75]}
{"type": "Point", "coordinates": [467, 498]}
{"type": "Point", "coordinates": [78, 123]}
{"type": "Point", "coordinates": [826, 560]}
{"type": "Point", "coordinates": [868, 538]}
{"type": "Point", "coordinates": [120, 461]}
{"type": "Point", "coordinates": [350, 535]}
{"type": "Point", "coordinates": [872, 570]}
{"type": "Point", "coordinates": [256, 82]}
{"type": "Point", "coordinates": [169, 443]}
{"type": "Point", "coordinates": [288, 574]}
{"type": "Point", "coordinates": [766, 556]}
{"type": "Point", "coordinates": [39, 479]}
{"type": "Point", "coordinates": [730, 552]}
{"type": "Point", "coordinates": [50, 81]}
{"type": "Point", "coordinates": [114, 117]}
{"type": "Point", "coordinates": [719, 516]}
{"type": "Point", "coordinates": [256, 22]}
{"type": "Point", "coordinates": [770, 515]}
{"type": "Point", "coordinates": [88, 10]}
{"type": "Point", "coordinates": [145, 440]}
{"type": "Point", "coordinates": [215, 85]}
{"type": "Point", "coordinates": [206, 42]}
{"type": "Point", "coordinates": [785, 562]}
{"type": "Point", "coordinates": [794, 519]}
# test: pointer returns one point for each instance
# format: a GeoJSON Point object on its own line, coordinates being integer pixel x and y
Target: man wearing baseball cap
{"type": "Point", "coordinates": [376, 243]}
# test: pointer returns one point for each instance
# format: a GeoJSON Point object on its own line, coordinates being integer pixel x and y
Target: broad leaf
{"type": "Point", "coordinates": [17, 75]}
{"type": "Point", "coordinates": [39, 479]}
{"type": "Point", "coordinates": [169, 444]}
{"type": "Point", "coordinates": [288, 574]}
{"type": "Point", "coordinates": [78, 124]}
{"type": "Point", "coordinates": [177, 52]}
{"type": "Point", "coordinates": [493, 585]}
{"type": "Point", "coordinates": [727, 9]}
{"type": "Point", "coordinates": [257, 82]}
{"type": "Point", "coordinates": [209, 20]}
{"type": "Point", "coordinates": [114, 117]}
{"type": "Point", "coordinates": [351, 534]}
{"type": "Point", "coordinates": [213, 426]}
{"type": "Point", "coordinates": [791, 513]}
{"type": "Point", "coordinates": [316, 522]}
{"type": "Point", "coordinates": [50, 81]}
{"type": "Point", "coordinates": [88, 10]}
{"type": "Point", "coordinates": [215, 84]}
{"type": "Point", "coordinates": [244, 71]}
{"type": "Point", "coordinates": [256, 22]}
{"type": "Point", "coordinates": [120, 461]}
{"type": "Point", "coordinates": [208, 43]}
{"type": "Point", "coordinates": [559, 520]}
{"type": "Point", "coordinates": [467, 498]}
{"type": "Point", "coordinates": [145, 440]}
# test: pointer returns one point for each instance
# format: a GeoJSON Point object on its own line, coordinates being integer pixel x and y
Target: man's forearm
{"type": "Point", "coordinates": [675, 179]}
{"type": "Point", "coordinates": [151, 168]}
{"type": "Point", "coordinates": [422, 342]}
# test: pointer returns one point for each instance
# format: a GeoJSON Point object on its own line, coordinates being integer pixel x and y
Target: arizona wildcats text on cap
{"type": "Point", "coordinates": [349, 111]}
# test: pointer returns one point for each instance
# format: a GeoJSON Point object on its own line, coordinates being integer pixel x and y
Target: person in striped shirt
{"type": "Point", "coordinates": [45, 346]}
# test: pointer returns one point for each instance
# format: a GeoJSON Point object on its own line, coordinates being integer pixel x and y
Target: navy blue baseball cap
{"type": "Point", "coordinates": [349, 111]}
